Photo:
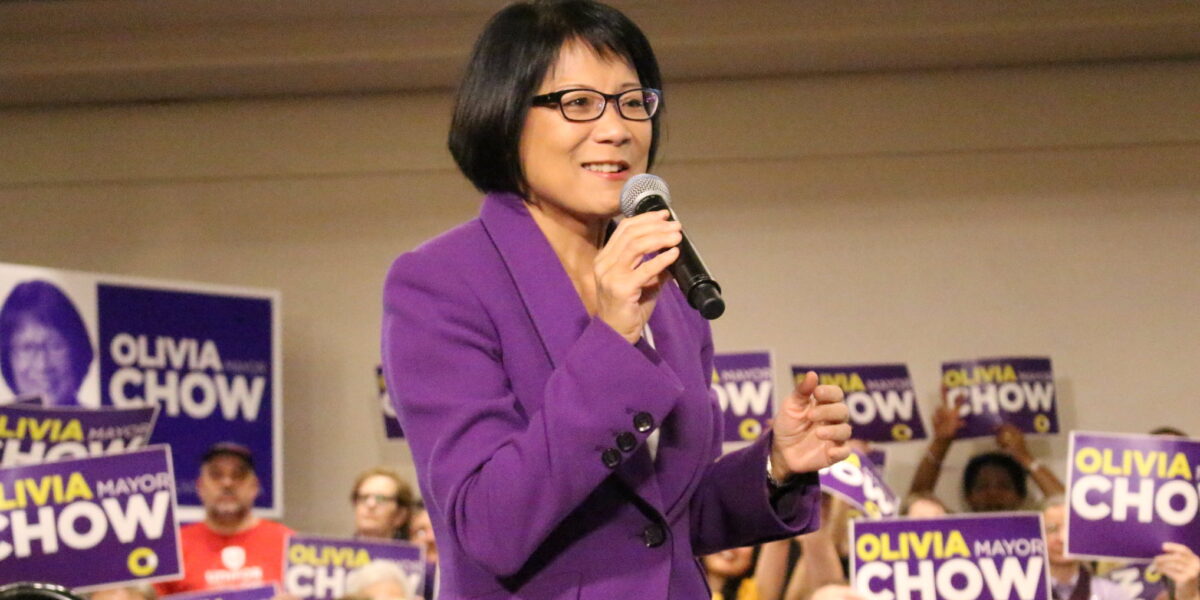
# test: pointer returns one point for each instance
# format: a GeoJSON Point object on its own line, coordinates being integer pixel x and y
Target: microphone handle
{"type": "Point", "coordinates": [703, 292]}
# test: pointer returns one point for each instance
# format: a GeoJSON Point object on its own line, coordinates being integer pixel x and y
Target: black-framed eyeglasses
{"type": "Point", "coordinates": [581, 104]}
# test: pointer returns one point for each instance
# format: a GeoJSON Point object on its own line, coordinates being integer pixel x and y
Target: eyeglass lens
{"type": "Point", "coordinates": [585, 105]}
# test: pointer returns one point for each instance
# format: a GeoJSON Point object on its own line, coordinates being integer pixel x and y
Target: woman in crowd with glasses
{"type": "Point", "coordinates": [554, 384]}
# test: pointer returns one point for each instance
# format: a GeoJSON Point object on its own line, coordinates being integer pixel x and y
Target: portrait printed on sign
{"type": "Point", "coordinates": [47, 325]}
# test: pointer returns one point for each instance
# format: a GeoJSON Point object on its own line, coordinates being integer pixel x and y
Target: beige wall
{"type": "Point", "coordinates": [907, 217]}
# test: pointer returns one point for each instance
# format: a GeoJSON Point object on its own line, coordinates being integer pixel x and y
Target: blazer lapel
{"type": "Point", "coordinates": [686, 439]}
{"type": "Point", "coordinates": [546, 291]}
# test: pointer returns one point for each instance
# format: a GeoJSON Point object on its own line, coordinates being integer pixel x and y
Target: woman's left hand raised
{"type": "Point", "coordinates": [811, 429]}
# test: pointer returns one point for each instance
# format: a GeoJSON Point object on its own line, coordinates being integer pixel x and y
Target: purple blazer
{"type": "Point", "coordinates": [527, 421]}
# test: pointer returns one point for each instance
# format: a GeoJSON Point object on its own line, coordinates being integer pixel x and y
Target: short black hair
{"type": "Point", "coordinates": [994, 459]}
{"type": "Point", "coordinates": [510, 60]}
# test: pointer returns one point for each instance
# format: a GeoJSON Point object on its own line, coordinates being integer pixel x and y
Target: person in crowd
{"type": "Point", "coordinates": [383, 503]}
{"type": "Point", "coordinates": [1069, 578]}
{"type": "Point", "coordinates": [921, 505]}
{"type": "Point", "coordinates": [730, 574]}
{"type": "Point", "coordinates": [837, 591]}
{"type": "Point", "coordinates": [140, 591]}
{"type": "Point", "coordinates": [992, 481]}
{"type": "Point", "coordinates": [231, 547]}
{"type": "Point", "coordinates": [421, 534]}
{"type": "Point", "coordinates": [378, 580]}
{"type": "Point", "coordinates": [554, 383]}
{"type": "Point", "coordinates": [1168, 431]}
{"type": "Point", "coordinates": [824, 553]}
{"type": "Point", "coordinates": [45, 349]}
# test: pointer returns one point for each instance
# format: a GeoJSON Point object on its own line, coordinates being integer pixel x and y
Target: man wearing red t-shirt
{"type": "Point", "coordinates": [232, 547]}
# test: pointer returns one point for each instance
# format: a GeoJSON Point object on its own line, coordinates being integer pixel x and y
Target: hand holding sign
{"type": "Point", "coordinates": [1183, 567]}
{"type": "Point", "coordinates": [946, 420]}
{"type": "Point", "coordinates": [811, 429]}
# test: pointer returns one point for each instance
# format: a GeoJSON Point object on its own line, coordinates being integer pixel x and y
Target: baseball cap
{"type": "Point", "coordinates": [228, 449]}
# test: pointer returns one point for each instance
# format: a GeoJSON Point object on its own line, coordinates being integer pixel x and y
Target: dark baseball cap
{"type": "Point", "coordinates": [228, 449]}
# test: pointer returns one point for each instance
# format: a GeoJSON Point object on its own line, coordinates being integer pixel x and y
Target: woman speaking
{"type": "Point", "coordinates": [551, 379]}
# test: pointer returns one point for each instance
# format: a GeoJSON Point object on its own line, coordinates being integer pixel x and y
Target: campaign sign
{"type": "Point", "coordinates": [860, 483]}
{"type": "Point", "coordinates": [878, 456]}
{"type": "Point", "coordinates": [317, 567]}
{"type": "Point", "coordinates": [999, 556]}
{"type": "Point", "coordinates": [262, 592]}
{"type": "Point", "coordinates": [745, 388]}
{"type": "Point", "coordinates": [207, 356]}
{"type": "Point", "coordinates": [32, 434]}
{"type": "Point", "coordinates": [1127, 494]}
{"type": "Point", "coordinates": [391, 425]}
{"type": "Point", "coordinates": [209, 361]}
{"type": "Point", "coordinates": [90, 522]}
{"type": "Point", "coordinates": [1138, 581]}
{"type": "Point", "coordinates": [882, 403]}
{"type": "Point", "coordinates": [993, 391]}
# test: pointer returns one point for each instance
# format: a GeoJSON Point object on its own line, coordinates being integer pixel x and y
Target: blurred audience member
{"type": "Point", "coordinates": [837, 591]}
{"type": "Point", "coordinates": [140, 591]}
{"type": "Point", "coordinates": [920, 505]}
{"type": "Point", "coordinates": [1069, 578]}
{"type": "Point", "coordinates": [824, 553]}
{"type": "Point", "coordinates": [383, 503]}
{"type": "Point", "coordinates": [731, 574]}
{"type": "Point", "coordinates": [421, 534]}
{"type": "Point", "coordinates": [378, 580]}
{"type": "Point", "coordinates": [992, 481]}
{"type": "Point", "coordinates": [1169, 431]}
{"type": "Point", "coordinates": [231, 547]}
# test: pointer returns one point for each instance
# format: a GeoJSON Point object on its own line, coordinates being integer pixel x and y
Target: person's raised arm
{"type": "Point", "coordinates": [1012, 441]}
{"type": "Point", "coordinates": [946, 423]}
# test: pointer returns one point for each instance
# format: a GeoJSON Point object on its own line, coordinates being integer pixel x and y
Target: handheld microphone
{"type": "Point", "coordinates": [645, 193]}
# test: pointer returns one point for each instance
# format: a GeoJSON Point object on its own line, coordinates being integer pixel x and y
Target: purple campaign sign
{"type": "Point", "coordinates": [878, 456]}
{"type": "Point", "coordinates": [881, 399]}
{"type": "Point", "coordinates": [114, 514]}
{"type": "Point", "coordinates": [316, 567]}
{"type": "Point", "coordinates": [992, 391]}
{"type": "Point", "coordinates": [262, 592]}
{"type": "Point", "coordinates": [1139, 582]}
{"type": "Point", "coordinates": [860, 483]}
{"type": "Point", "coordinates": [210, 361]}
{"type": "Point", "coordinates": [745, 387]}
{"type": "Point", "coordinates": [1127, 494]}
{"type": "Point", "coordinates": [999, 556]}
{"type": "Point", "coordinates": [31, 434]}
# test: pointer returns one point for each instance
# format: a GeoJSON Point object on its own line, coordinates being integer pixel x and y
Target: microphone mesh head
{"type": "Point", "coordinates": [640, 186]}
